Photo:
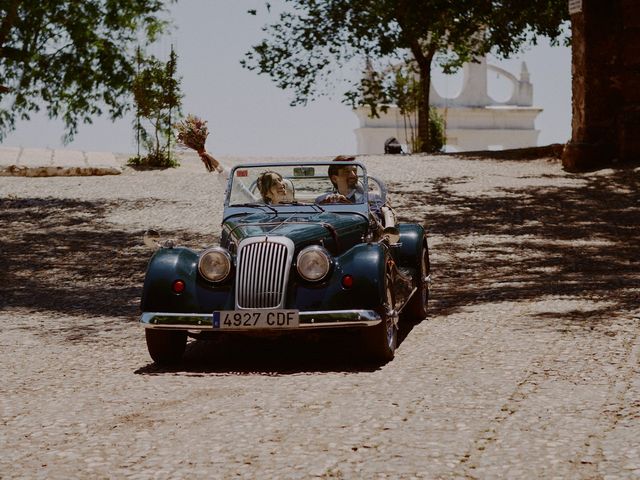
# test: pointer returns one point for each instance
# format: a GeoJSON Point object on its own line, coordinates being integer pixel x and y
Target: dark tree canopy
{"type": "Point", "coordinates": [75, 58]}
{"type": "Point", "coordinates": [312, 40]}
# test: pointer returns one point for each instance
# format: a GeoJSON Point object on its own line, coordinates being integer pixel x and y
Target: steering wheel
{"type": "Point", "coordinates": [335, 198]}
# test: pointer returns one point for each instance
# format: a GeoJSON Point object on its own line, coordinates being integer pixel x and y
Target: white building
{"type": "Point", "coordinates": [473, 120]}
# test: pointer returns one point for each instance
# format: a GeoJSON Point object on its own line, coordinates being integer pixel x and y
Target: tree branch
{"type": "Point", "coordinates": [7, 23]}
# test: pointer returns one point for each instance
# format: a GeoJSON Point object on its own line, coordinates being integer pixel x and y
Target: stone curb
{"type": "Point", "coordinates": [22, 171]}
{"type": "Point", "coordinates": [45, 162]}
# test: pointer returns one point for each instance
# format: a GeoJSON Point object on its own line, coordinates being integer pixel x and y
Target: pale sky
{"type": "Point", "coordinates": [248, 115]}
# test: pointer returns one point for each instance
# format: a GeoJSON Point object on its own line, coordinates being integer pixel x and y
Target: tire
{"type": "Point", "coordinates": [382, 339]}
{"type": "Point", "coordinates": [166, 347]}
{"type": "Point", "coordinates": [416, 309]}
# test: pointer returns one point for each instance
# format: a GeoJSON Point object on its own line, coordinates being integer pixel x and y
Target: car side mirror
{"type": "Point", "coordinates": [151, 238]}
{"type": "Point", "coordinates": [391, 235]}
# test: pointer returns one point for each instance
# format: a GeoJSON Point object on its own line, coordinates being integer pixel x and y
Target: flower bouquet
{"type": "Point", "coordinates": [192, 132]}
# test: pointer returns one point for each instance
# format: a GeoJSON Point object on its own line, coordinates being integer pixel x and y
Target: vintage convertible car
{"type": "Point", "coordinates": [290, 267]}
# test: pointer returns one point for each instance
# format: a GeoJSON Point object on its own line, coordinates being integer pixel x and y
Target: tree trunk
{"type": "Point", "coordinates": [156, 128]}
{"type": "Point", "coordinates": [423, 109]}
{"type": "Point", "coordinates": [594, 59]}
{"type": "Point", "coordinates": [606, 85]}
{"type": "Point", "coordinates": [423, 58]}
{"type": "Point", "coordinates": [424, 67]}
{"type": "Point", "coordinates": [5, 27]}
{"type": "Point", "coordinates": [7, 23]}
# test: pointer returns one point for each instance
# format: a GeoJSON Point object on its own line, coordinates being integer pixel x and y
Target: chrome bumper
{"type": "Point", "coordinates": [320, 319]}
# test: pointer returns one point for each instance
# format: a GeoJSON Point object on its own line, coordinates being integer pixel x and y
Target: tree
{"type": "Point", "coordinates": [157, 95]}
{"type": "Point", "coordinates": [312, 39]}
{"type": "Point", "coordinates": [76, 58]}
{"type": "Point", "coordinates": [404, 91]}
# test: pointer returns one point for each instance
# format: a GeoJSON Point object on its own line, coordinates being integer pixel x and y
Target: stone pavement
{"type": "Point", "coordinates": [527, 367]}
{"type": "Point", "coordinates": [47, 162]}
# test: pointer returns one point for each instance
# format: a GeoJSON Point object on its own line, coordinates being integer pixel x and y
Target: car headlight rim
{"type": "Point", "coordinates": [214, 264]}
{"type": "Point", "coordinates": [313, 263]}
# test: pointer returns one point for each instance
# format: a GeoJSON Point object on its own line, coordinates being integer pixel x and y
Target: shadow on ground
{"type": "Point", "coordinates": [525, 244]}
{"type": "Point", "coordinates": [62, 256]}
{"type": "Point", "coordinates": [283, 355]}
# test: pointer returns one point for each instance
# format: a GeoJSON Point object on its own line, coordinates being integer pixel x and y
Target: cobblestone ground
{"type": "Point", "coordinates": [528, 365]}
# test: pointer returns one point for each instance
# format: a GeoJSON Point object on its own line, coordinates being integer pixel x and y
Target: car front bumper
{"type": "Point", "coordinates": [308, 320]}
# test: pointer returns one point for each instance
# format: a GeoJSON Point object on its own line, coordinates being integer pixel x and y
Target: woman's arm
{"type": "Point", "coordinates": [211, 163]}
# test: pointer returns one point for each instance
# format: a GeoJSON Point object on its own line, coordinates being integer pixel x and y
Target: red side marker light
{"type": "Point", "coordinates": [177, 286]}
{"type": "Point", "coordinates": [347, 281]}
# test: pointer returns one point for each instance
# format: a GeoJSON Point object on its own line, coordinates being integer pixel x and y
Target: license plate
{"type": "Point", "coordinates": [255, 319]}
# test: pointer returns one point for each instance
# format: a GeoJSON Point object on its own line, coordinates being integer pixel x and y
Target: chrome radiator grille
{"type": "Point", "coordinates": [262, 272]}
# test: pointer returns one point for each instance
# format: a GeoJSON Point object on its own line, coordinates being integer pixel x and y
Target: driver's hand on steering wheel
{"type": "Point", "coordinates": [336, 198]}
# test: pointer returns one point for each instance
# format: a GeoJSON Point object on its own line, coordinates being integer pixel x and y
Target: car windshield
{"type": "Point", "coordinates": [297, 184]}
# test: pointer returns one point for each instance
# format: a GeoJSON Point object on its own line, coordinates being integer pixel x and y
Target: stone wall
{"type": "Point", "coordinates": [473, 120]}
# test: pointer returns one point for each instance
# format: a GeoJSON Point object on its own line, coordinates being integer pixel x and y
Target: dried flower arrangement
{"type": "Point", "coordinates": [192, 132]}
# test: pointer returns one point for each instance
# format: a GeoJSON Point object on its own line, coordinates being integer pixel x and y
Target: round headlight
{"type": "Point", "coordinates": [313, 263]}
{"type": "Point", "coordinates": [214, 264]}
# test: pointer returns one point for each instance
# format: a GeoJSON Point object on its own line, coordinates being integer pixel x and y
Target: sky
{"type": "Point", "coordinates": [249, 116]}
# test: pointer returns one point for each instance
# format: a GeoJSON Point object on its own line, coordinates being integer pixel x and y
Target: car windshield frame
{"type": "Point", "coordinates": [256, 205]}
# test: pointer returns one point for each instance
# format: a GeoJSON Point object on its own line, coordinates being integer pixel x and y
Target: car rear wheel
{"type": "Point", "coordinates": [383, 338]}
{"type": "Point", "coordinates": [416, 310]}
{"type": "Point", "coordinates": [166, 347]}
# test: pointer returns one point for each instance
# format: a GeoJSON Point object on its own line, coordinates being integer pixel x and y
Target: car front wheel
{"type": "Point", "coordinates": [383, 338]}
{"type": "Point", "coordinates": [166, 347]}
{"type": "Point", "coordinates": [416, 309]}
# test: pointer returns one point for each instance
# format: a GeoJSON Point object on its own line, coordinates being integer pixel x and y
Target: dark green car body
{"type": "Point", "coordinates": [372, 279]}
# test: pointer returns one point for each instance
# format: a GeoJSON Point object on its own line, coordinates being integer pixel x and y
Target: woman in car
{"type": "Point", "coordinates": [274, 189]}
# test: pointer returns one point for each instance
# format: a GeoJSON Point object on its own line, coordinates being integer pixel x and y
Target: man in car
{"type": "Point", "coordinates": [344, 178]}
{"type": "Point", "coordinates": [347, 189]}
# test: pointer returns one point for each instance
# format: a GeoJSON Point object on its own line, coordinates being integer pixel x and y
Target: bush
{"type": "Point", "coordinates": [436, 131]}
{"type": "Point", "coordinates": [157, 95]}
{"type": "Point", "coordinates": [153, 160]}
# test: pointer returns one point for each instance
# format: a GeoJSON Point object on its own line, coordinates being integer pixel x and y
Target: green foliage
{"type": "Point", "coordinates": [157, 95]}
{"type": "Point", "coordinates": [312, 41]}
{"type": "Point", "coordinates": [160, 159]}
{"type": "Point", "coordinates": [402, 88]}
{"type": "Point", "coordinates": [75, 58]}
{"type": "Point", "coordinates": [436, 131]}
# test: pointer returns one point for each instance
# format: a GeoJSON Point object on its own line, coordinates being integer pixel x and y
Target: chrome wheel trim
{"type": "Point", "coordinates": [390, 333]}
{"type": "Point", "coordinates": [391, 320]}
{"type": "Point", "coordinates": [424, 277]}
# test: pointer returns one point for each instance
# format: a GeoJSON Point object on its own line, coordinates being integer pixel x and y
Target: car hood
{"type": "Point", "coordinates": [336, 231]}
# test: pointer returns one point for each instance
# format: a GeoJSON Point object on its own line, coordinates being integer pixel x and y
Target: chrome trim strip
{"type": "Point", "coordinates": [415, 289]}
{"type": "Point", "coordinates": [317, 319]}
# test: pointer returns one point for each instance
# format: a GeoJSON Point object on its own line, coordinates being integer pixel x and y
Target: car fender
{"type": "Point", "coordinates": [407, 252]}
{"type": "Point", "coordinates": [170, 264]}
{"type": "Point", "coordinates": [365, 263]}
